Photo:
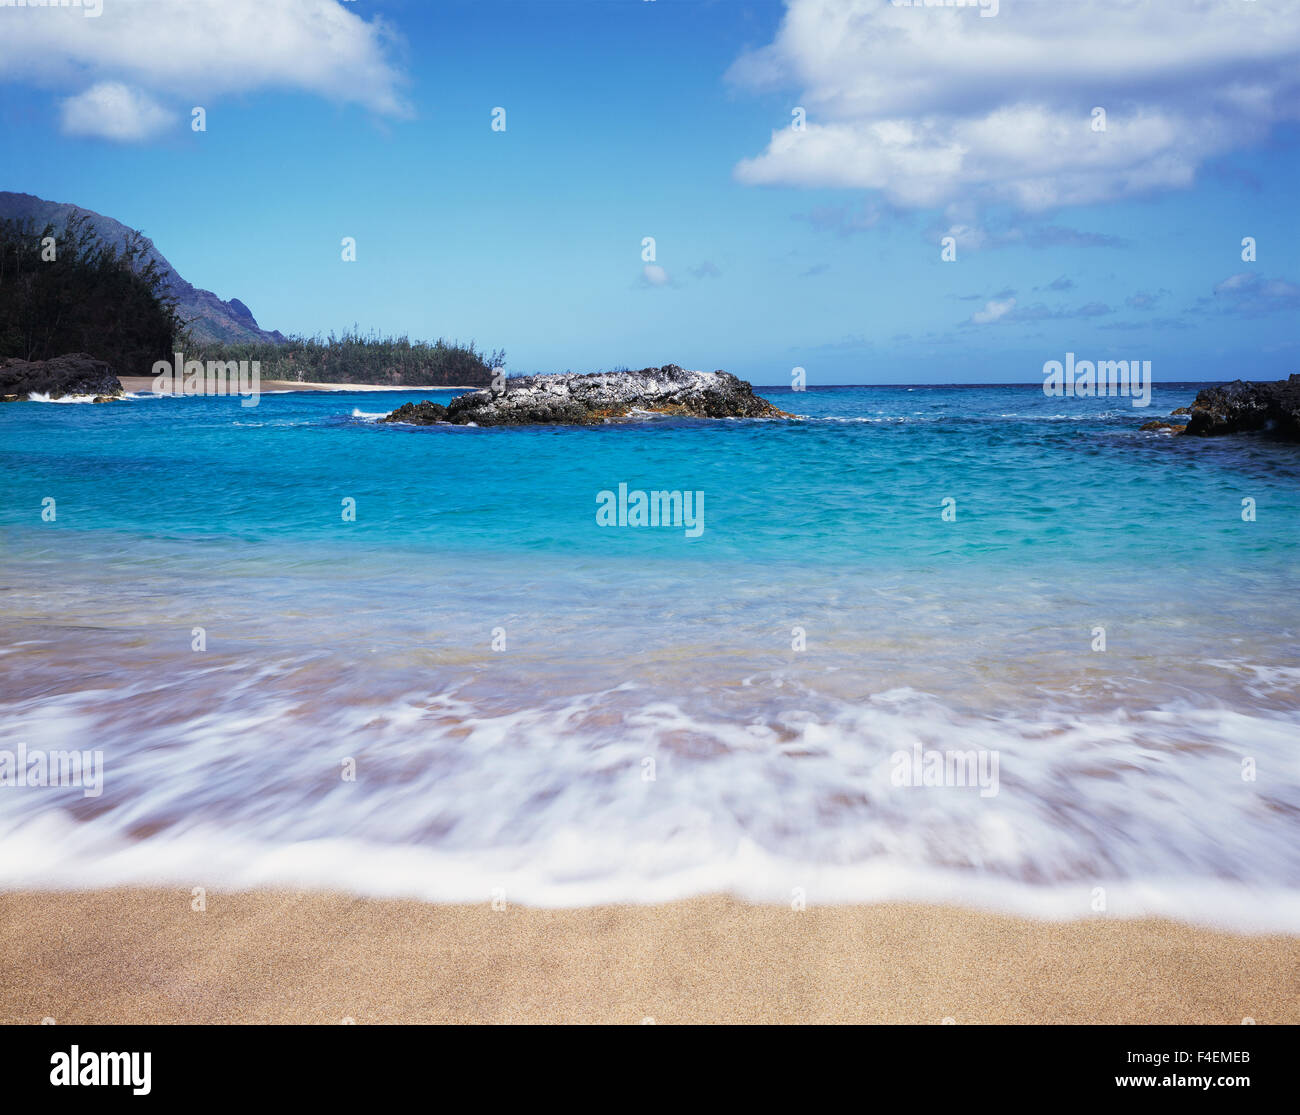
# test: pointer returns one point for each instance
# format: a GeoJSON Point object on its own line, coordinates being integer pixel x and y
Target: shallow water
{"type": "Point", "coordinates": [645, 728]}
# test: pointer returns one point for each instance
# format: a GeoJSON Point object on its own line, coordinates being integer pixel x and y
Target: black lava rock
{"type": "Point", "coordinates": [77, 373]}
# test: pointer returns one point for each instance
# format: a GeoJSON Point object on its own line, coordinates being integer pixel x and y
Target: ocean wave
{"type": "Point", "coordinates": [54, 851]}
{"type": "Point", "coordinates": [552, 801]}
{"type": "Point", "coordinates": [44, 397]}
{"type": "Point", "coordinates": [956, 417]}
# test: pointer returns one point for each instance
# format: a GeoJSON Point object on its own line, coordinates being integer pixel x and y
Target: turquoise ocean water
{"type": "Point", "coordinates": [577, 713]}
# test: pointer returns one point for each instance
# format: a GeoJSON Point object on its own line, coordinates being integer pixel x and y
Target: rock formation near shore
{"type": "Point", "coordinates": [1241, 407]}
{"type": "Point", "coordinates": [570, 399]}
{"type": "Point", "coordinates": [73, 374]}
{"type": "Point", "coordinates": [418, 414]}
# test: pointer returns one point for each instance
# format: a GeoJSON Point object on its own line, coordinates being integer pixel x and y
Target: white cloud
{"type": "Point", "coordinates": [179, 53]}
{"type": "Point", "coordinates": [1251, 293]}
{"type": "Point", "coordinates": [993, 310]}
{"type": "Point", "coordinates": [111, 110]}
{"type": "Point", "coordinates": [968, 237]}
{"type": "Point", "coordinates": [935, 105]}
{"type": "Point", "coordinates": [655, 275]}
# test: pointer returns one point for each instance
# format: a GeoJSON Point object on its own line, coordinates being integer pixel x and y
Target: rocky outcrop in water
{"type": "Point", "coordinates": [418, 414]}
{"type": "Point", "coordinates": [1242, 407]}
{"type": "Point", "coordinates": [76, 373]}
{"type": "Point", "coordinates": [585, 399]}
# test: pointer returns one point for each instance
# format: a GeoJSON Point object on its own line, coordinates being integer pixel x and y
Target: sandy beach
{"type": "Point", "coordinates": [144, 385]}
{"type": "Point", "coordinates": [145, 956]}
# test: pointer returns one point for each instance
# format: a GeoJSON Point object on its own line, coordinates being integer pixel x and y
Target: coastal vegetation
{"type": "Point", "coordinates": [66, 290]}
{"type": "Point", "coordinates": [357, 358]}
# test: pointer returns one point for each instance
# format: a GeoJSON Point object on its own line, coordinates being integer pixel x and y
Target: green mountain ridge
{"type": "Point", "coordinates": [210, 320]}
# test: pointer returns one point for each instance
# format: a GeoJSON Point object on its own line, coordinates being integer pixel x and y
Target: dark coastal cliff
{"type": "Point", "coordinates": [570, 399]}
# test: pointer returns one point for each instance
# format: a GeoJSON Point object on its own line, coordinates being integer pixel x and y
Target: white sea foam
{"type": "Point", "coordinates": [44, 397]}
{"type": "Point", "coordinates": [452, 800]}
{"type": "Point", "coordinates": [55, 852]}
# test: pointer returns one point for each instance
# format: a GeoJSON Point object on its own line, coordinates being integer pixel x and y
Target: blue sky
{"type": "Point", "coordinates": [671, 119]}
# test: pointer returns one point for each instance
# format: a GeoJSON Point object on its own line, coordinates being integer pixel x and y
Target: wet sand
{"type": "Point", "coordinates": [139, 956]}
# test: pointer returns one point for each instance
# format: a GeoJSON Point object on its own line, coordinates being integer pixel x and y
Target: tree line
{"type": "Point", "coordinates": [357, 358]}
{"type": "Point", "coordinates": [66, 290]}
